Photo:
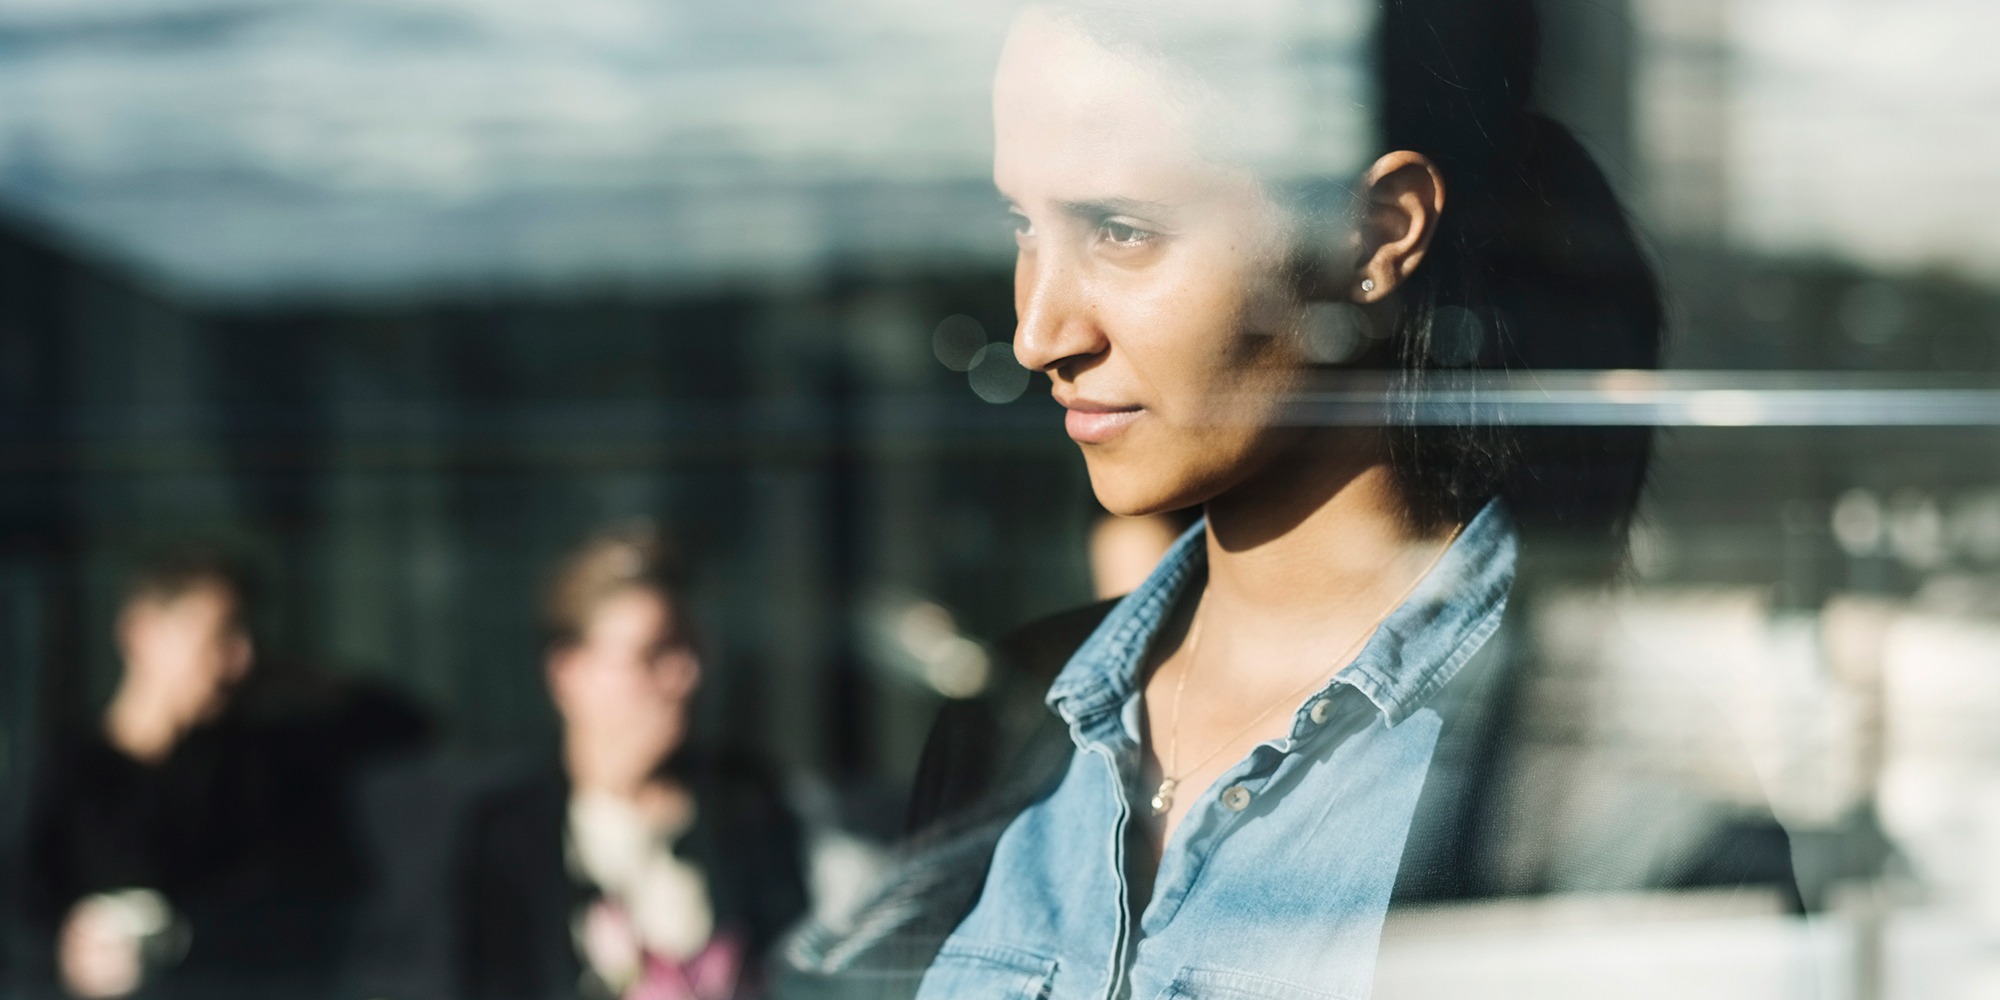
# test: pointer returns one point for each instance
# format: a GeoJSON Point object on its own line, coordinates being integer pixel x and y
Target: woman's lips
{"type": "Point", "coordinates": [1097, 425]}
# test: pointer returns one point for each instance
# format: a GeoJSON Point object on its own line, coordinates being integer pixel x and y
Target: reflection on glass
{"type": "Point", "coordinates": [394, 303]}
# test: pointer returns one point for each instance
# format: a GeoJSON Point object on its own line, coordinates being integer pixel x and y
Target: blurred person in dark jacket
{"type": "Point", "coordinates": [193, 841]}
{"type": "Point", "coordinates": [641, 867]}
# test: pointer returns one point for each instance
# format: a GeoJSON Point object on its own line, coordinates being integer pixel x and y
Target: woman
{"type": "Point", "coordinates": [1254, 725]}
{"type": "Point", "coordinates": [1284, 727]}
{"type": "Point", "coordinates": [638, 869]}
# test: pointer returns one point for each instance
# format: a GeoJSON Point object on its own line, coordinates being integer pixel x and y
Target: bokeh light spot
{"type": "Point", "coordinates": [995, 376]}
{"type": "Point", "coordinates": [957, 341]}
{"type": "Point", "coordinates": [1873, 313]}
{"type": "Point", "coordinates": [1456, 337]}
{"type": "Point", "coordinates": [1858, 523]}
{"type": "Point", "coordinates": [1334, 331]}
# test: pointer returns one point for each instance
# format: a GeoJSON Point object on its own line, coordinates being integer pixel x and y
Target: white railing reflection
{"type": "Point", "coordinates": [1655, 399]}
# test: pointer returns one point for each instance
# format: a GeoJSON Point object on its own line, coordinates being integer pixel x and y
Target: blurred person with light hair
{"type": "Point", "coordinates": [193, 842]}
{"type": "Point", "coordinates": [641, 867]}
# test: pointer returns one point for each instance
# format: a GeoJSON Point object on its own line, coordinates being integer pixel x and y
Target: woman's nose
{"type": "Point", "coordinates": [1055, 321]}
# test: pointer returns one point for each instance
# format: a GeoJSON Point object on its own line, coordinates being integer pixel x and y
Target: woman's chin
{"type": "Point", "coordinates": [1128, 489]}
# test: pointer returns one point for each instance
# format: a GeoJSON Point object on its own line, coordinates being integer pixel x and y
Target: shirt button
{"type": "Point", "coordinates": [1236, 798]}
{"type": "Point", "coordinates": [1321, 709]}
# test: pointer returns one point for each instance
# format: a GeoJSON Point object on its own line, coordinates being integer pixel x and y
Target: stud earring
{"type": "Point", "coordinates": [1368, 284]}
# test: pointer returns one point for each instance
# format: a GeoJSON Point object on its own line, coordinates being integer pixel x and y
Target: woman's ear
{"type": "Point", "coordinates": [1402, 196]}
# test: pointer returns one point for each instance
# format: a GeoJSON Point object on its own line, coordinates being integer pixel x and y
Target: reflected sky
{"type": "Point", "coordinates": [250, 146]}
{"type": "Point", "coordinates": [266, 148]}
{"type": "Point", "coordinates": [1866, 130]}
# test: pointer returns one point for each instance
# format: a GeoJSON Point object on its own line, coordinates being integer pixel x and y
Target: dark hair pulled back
{"type": "Point", "coordinates": [1534, 245]}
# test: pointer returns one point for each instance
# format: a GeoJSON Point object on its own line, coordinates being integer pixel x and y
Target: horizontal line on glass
{"type": "Point", "coordinates": [1653, 399]}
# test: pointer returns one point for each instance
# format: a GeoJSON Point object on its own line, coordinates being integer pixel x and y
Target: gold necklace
{"type": "Point", "coordinates": [1163, 798]}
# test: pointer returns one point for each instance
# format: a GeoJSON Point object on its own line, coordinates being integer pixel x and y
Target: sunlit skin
{"type": "Point", "coordinates": [622, 690]}
{"type": "Point", "coordinates": [1156, 287]}
{"type": "Point", "coordinates": [1131, 246]}
{"type": "Point", "coordinates": [1124, 550]}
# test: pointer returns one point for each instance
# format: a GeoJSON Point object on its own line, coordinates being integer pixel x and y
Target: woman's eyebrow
{"type": "Point", "coordinates": [1100, 208]}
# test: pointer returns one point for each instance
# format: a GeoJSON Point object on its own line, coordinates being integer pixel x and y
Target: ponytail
{"type": "Point", "coordinates": [1534, 267]}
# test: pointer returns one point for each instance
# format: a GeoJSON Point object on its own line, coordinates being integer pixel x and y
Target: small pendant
{"type": "Point", "coordinates": [1163, 799]}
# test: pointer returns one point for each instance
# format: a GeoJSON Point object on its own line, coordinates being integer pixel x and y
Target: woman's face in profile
{"type": "Point", "coordinates": [1151, 281]}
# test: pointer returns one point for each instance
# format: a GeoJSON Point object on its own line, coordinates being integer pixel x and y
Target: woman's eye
{"type": "Point", "coordinates": [1123, 235]}
{"type": "Point", "coordinates": [1022, 227]}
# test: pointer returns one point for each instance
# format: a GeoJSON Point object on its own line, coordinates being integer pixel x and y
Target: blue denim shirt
{"type": "Point", "coordinates": [1276, 883]}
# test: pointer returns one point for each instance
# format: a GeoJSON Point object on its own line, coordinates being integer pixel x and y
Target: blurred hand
{"type": "Point", "coordinates": [623, 693]}
{"type": "Point", "coordinates": [611, 946]}
{"type": "Point", "coordinates": [99, 952]}
{"type": "Point", "coordinates": [620, 732]}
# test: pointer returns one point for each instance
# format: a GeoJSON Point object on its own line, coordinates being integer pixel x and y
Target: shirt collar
{"type": "Point", "coordinates": [1454, 609]}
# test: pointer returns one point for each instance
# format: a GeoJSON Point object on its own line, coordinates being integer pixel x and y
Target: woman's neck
{"type": "Point", "coordinates": [1319, 541]}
